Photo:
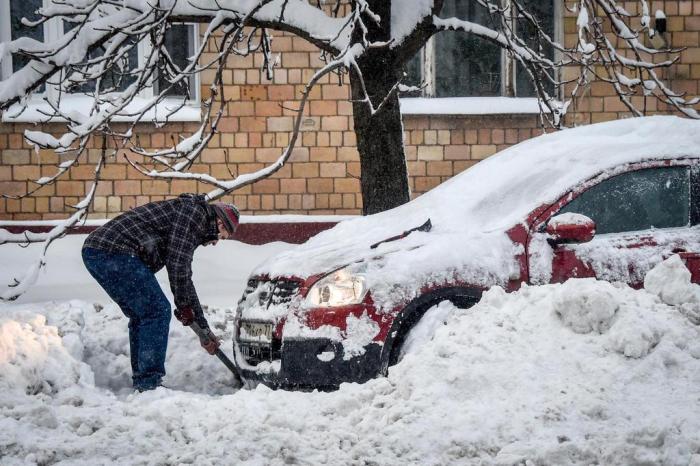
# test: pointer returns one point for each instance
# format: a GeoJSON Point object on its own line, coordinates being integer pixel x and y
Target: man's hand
{"type": "Point", "coordinates": [185, 315]}
{"type": "Point", "coordinates": [199, 324]}
{"type": "Point", "coordinates": [208, 340]}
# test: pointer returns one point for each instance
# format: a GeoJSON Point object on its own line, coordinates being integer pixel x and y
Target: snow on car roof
{"type": "Point", "coordinates": [497, 193]}
{"type": "Point", "coordinates": [500, 191]}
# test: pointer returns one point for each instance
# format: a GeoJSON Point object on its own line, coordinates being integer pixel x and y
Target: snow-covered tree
{"type": "Point", "coordinates": [368, 42]}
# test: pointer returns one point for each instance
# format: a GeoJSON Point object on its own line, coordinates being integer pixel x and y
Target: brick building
{"type": "Point", "coordinates": [445, 135]}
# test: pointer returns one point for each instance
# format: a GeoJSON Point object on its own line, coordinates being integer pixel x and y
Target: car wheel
{"type": "Point", "coordinates": [423, 330]}
{"type": "Point", "coordinates": [413, 313]}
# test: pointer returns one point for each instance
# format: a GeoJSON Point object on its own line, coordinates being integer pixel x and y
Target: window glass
{"type": "Point", "coordinates": [24, 9]}
{"type": "Point", "coordinates": [118, 76]}
{"type": "Point", "coordinates": [466, 65]}
{"type": "Point", "coordinates": [543, 11]}
{"type": "Point", "coordinates": [638, 200]}
{"type": "Point", "coordinates": [414, 75]}
{"type": "Point", "coordinates": [179, 42]}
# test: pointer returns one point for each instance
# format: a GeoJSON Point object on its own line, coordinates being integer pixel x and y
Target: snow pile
{"type": "Point", "coordinates": [87, 344]}
{"type": "Point", "coordinates": [545, 375]}
{"type": "Point", "coordinates": [34, 358]}
{"type": "Point", "coordinates": [584, 310]}
{"type": "Point", "coordinates": [426, 327]}
{"type": "Point", "coordinates": [670, 281]}
{"type": "Point", "coordinates": [586, 372]}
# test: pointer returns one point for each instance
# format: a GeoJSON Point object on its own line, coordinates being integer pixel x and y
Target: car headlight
{"type": "Point", "coordinates": [339, 288]}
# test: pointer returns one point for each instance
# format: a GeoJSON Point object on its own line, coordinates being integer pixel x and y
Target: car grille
{"type": "Point", "coordinates": [271, 292]}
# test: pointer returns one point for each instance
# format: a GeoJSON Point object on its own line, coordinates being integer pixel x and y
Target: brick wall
{"type": "Point", "coordinates": [322, 176]}
{"type": "Point", "coordinates": [683, 32]}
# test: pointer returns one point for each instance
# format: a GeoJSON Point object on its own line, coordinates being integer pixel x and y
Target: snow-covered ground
{"type": "Point", "coordinates": [586, 372]}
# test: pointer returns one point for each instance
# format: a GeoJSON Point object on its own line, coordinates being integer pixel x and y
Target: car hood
{"type": "Point", "coordinates": [396, 271]}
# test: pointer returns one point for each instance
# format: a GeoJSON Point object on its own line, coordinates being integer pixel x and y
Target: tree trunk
{"type": "Point", "coordinates": [384, 178]}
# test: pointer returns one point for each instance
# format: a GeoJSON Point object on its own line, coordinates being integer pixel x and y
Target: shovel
{"type": "Point", "coordinates": [219, 354]}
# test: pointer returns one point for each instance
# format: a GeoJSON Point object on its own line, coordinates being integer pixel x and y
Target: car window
{"type": "Point", "coordinates": [638, 200]}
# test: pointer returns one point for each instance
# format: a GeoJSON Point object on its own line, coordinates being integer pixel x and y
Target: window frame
{"type": "Point", "coordinates": [53, 30]}
{"type": "Point", "coordinates": [472, 105]}
{"type": "Point", "coordinates": [5, 36]}
{"type": "Point", "coordinates": [695, 194]}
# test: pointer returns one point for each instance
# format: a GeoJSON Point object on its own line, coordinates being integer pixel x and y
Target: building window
{"type": "Point", "coordinates": [23, 9]}
{"type": "Point", "coordinates": [179, 54]}
{"type": "Point", "coordinates": [180, 42]}
{"type": "Point", "coordinates": [455, 64]}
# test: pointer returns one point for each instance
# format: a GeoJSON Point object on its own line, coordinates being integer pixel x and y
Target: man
{"type": "Point", "coordinates": [123, 256]}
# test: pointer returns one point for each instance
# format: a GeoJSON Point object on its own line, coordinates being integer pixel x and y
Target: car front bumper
{"type": "Point", "coordinates": [314, 363]}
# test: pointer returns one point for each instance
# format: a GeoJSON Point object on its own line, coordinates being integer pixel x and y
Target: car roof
{"type": "Point", "coordinates": [501, 191]}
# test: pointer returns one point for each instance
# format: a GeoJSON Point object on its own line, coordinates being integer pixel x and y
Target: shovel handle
{"type": "Point", "coordinates": [218, 353]}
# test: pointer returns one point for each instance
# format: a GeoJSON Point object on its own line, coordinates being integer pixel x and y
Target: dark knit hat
{"type": "Point", "coordinates": [228, 214]}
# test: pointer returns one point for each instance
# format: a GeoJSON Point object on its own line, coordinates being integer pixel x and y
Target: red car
{"type": "Point", "coordinates": [609, 200]}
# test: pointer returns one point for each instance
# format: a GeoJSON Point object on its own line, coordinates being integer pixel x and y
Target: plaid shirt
{"type": "Point", "coordinates": [163, 233]}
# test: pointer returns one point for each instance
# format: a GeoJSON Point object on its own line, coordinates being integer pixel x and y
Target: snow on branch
{"type": "Point", "coordinates": [20, 285]}
{"type": "Point", "coordinates": [620, 58]}
{"type": "Point", "coordinates": [186, 151]}
{"type": "Point", "coordinates": [93, 58]}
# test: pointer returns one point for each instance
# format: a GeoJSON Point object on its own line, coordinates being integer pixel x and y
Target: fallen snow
{"type": "Point", "coordinates": [289, 218]}
{"type": "Point", "coordinates": [359, 332]}
{"type": "Point", "coordinates": [670, 280]}
{"type": "Point", "coordinates": [610, 257]}
{"type": "Point", "coordinates": [469, 105]}
{"type": "Point", "coordinates": [579, 373]}
{"type": "Point", "coordinates": [568, 218]}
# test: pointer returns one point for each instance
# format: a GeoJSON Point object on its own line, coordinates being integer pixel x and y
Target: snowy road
{"type": "Point", "coordinates": [580, 373]}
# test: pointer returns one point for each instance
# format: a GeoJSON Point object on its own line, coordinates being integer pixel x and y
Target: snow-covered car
{"type": "Point", "coordinates": [609, 200]}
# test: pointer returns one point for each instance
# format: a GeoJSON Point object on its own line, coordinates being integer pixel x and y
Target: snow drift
{"type": "Point", "coordinates": [579, 373]}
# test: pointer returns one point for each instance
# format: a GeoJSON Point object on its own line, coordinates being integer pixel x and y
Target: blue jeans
{"type": "Point", "coordinates": [134, 288]}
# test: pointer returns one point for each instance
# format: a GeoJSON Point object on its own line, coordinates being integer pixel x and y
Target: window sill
{"type": "Point", "coordinates": [37, 108]}
{"type": "Point", "coordinates": [470, 106]}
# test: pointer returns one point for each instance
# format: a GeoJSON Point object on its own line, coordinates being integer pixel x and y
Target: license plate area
{"type": "Point", "coordinates": [256, 331]}
{"type": "Point", "coordinates": [256, 352]}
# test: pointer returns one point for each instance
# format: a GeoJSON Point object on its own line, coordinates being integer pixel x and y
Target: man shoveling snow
{"type": "Point", "coordinates": [123, 256]}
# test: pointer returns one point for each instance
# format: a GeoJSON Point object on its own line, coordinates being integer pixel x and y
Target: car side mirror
{"type": "Point", "coordinates": [570, 228]}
